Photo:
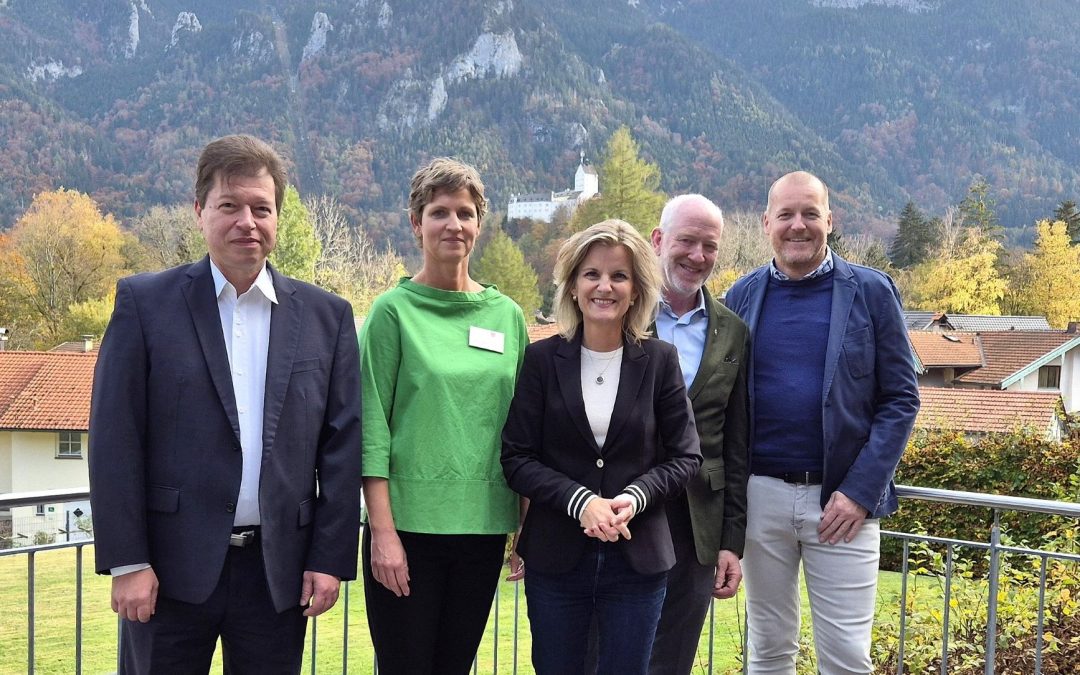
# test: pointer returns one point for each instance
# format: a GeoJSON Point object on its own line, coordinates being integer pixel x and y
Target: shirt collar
{"type": "Point", "coordinates": [700, 307]}
{"type": "Point", "coordinates": [263, 282]}
{"type": "Point", "coordinates": [825, 267]}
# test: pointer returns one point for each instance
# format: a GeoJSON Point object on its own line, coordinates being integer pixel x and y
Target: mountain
{"type": "Point", "coordinates": [886, 99]}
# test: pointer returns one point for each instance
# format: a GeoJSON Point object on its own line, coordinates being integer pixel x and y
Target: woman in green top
{"type": "Point", "coordinates": [439, 356]}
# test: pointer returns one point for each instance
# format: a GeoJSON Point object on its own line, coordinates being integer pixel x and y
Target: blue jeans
{"type": "Point", "coordinates": [625, 604]}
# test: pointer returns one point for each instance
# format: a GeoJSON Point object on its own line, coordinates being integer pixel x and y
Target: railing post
{"type": "Point", "coordinates": [992, 601]}
{"type": "Point", "coordinates": [30, 613]}
{"type": "Point", "coordinates": [345, 634]}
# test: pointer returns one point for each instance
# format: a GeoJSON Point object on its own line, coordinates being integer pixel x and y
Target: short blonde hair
{"type": "Point", "coordinates": [646, 277]}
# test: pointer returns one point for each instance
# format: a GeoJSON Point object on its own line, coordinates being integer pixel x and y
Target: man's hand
{"type": "Point", "coordinates": [134, 595]}
{"type": "Point", "coordinates": [319, 593]}
{"type": "Point", "coordinates": [841, 519]}
{"type": "Point", "coordinates": [728, 575]}
{"type": "Point", "coordinates": [388, 563]}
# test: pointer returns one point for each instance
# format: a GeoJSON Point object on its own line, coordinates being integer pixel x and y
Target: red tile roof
{"type": "Point", "coordinates": [540, 331]}
{"type": "Point", "coordinates": [946, 349]}
{"type": "Point", "coordinates": [986, 410]}
{"type": "Point", "coordinates": [46, 390]}
{"type": "Point", "coordinates": [1008, 352]}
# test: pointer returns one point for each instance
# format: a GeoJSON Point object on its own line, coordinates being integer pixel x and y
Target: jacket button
{"type": "Point", "coordinates": [600, 463]}
{"type": "Point", "coordinates": [230, 507]}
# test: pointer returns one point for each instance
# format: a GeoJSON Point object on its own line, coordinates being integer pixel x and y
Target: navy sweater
{"type": "Point", "coordinates": [789, 371]}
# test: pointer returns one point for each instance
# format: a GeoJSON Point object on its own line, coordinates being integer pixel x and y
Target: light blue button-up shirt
{"type": "Point", "coordinates": [687, 333]}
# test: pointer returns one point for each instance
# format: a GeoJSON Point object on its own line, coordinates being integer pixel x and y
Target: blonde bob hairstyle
{"type": "Point", "coordinates": [646, 277]}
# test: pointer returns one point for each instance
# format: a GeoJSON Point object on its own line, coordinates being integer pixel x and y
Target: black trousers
{"type": "Point", "coordinates": [689, 595]}
{"type": "Point", "coordinates": [180, 638]}
{"type": "Point", "coordinates": [436, 629]}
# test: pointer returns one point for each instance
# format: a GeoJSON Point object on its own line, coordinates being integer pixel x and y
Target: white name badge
{"type": "Point", "coordinates": [482, 338]}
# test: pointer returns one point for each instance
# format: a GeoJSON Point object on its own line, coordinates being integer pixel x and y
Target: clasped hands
{"type": "Point", "coordinates": [607, 519]}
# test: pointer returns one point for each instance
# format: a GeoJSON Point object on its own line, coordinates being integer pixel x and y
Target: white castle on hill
{"type": "Point", "coordinates": [543, 205]}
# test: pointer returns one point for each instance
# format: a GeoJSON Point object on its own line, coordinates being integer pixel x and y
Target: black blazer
{"type": "Point", "coordinates": [549, 451]}
{"type": "Point", "coordinates": [164, 454]}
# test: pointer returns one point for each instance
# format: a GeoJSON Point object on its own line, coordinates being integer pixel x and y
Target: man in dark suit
{"type": "Point", "coordinates": [833, 398]}
{"type": "Point", "coordinates": [225, 441]}
{"type": "Point", "coordinates": [708, 521]}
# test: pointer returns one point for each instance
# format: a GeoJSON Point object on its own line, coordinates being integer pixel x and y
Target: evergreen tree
{"type": "Point", "coordinates": [977, 210]}
{"type": "Point", "coordinates": [914, 240]}
{"type": "Point", "coordinates": [298, 247]}
{"type": "Point", "coordinates": [1051, 275]}
{"type": "Point", "coordinates": [503, 264]}
{"type": "Point", "coordinates": [628, 188]}
{"type": "Point", "coordinates": [1067, 213]}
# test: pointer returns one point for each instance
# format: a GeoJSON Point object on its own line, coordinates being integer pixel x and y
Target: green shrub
{"type": "Point", "coordinates": [1019, 464]}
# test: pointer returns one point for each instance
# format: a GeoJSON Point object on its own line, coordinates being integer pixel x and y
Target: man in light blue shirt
{"type": "Point", "coordinates": [708, 521]}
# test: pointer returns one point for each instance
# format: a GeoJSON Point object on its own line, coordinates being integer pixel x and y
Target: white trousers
{"type": "Point", "coordinates": [841, 581]}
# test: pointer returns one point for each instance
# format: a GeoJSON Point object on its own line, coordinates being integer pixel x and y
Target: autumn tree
{"type": "Point", "coordinates": [628, 188]}
{"type": "Point", "coordinates": [348, 263]}
{"type": "Point", "coordinates": [1068, 213]}
{"type": "Point", "coordinates": [1050, 276]}
{"type": "Point", "coordinates": [964, 280]}
{"type": "Point", "coordinates": [170, 235]}
{"type": "Point", "coordinates": [914, 238]}
{"type": "Point", "coordinates": [503, 264]}
{"type": "Point", "coordinates": [298, 246]}
{"type": "Point", "coordinates": [61, 252]}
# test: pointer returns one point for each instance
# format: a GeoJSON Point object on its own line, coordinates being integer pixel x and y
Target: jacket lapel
{"type": "Point", "coordinates": [568, 373]}
{"type": "Point", "coordinates": [710, 356]}
{"type": "Point", "coordinates": [285, 319]}
{"type": "Point", "coordinates": [843, 296]}
{"type": "Point", "coordinates": [202, 303]}
{"type": "Point", "coordinates": [634, 362]}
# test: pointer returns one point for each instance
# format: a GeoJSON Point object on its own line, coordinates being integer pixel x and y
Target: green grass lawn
{"type": "Point", "coordinates": [54, 607]}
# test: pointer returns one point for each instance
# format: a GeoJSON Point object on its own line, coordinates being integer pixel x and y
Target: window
{"type": "Point", "coordinates": [70, 444]}
{"type": "Point", "coordinates": [1050, 377]}
{"type": "Point", "coordinates": [39, 510]}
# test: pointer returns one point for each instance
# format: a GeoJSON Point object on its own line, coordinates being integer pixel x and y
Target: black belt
{"type": "Point", "coordinates": [244, 536]}
{"type": "Point", "coordinates": [798, 477]}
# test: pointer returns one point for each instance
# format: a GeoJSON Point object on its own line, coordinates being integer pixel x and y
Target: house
{"type": "Point", "coordinates": [44, 416]}
{"type": "Point", "coordinates": [543, 206]}
{"type": "Point", "coordinates": [1032, 373]}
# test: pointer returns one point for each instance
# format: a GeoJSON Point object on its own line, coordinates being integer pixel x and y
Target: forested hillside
{"type": "Point", "coordinates": [116, 97]}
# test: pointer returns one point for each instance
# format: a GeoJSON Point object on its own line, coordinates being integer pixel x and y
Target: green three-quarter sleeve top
{"type": "Point", "coordinates": [438, 370]}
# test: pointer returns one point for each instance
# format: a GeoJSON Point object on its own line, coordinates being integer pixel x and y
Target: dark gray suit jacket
{"type": "Point", "coordinates": [164, 455]}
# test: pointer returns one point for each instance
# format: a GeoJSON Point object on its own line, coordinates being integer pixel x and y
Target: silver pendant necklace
{"type": "Point", "coordinates": [607, 364]}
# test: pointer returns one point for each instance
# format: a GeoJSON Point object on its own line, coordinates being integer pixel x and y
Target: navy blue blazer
{"type": "Point", "coordinates": [164, 456]}
{"type": "Point", "coordinates": [870, 393]}
{"type": "Point", "coordinates": [549, 450]}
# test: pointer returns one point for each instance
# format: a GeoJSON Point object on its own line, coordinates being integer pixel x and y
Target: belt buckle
{"type": "Point", "coordinates": [241, 539]}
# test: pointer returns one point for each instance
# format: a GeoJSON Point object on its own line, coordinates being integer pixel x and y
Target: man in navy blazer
{"type": "Point", "coordinates": [833, 397]}
{"type": "Point", "coordinates": [225, 441]}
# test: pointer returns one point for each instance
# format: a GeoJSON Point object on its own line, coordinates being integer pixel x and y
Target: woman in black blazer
{"type": "Point", "coordinates": [599, 435]}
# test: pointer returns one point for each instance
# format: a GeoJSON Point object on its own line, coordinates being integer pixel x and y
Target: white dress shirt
{"type": "Point", "coordinates": [245, 323]}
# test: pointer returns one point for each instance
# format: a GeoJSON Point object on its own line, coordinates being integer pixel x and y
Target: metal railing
{"type": "Point", "coordinates": [995, 549]}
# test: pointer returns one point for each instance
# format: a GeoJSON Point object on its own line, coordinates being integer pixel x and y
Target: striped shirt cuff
{"type": "Point", "coordinates": [581, 498]}
{"type": "Point", "coordinates": [636, 495]}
